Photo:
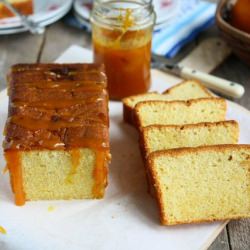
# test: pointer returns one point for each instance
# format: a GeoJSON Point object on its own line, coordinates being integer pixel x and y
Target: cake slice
{"type": "Point", "coordinates": [57, 132]}
{"type": "Point", "coordinates": [161, 137]}
{"type": "Point", "coordinates": [180, 112]}
{"type": "Point", "coordinates": [202, 184]}
{"type": "Point", "coordinates": [189, 89]}
{"type": "Point", "coordinates": [25, 7]}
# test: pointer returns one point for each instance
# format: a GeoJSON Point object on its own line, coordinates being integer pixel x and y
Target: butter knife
{"type": "Point", "coordinates": [220, 85]}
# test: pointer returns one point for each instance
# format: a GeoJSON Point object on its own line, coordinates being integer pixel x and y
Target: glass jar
{"type": "Point", "coordinates": [121, 35]}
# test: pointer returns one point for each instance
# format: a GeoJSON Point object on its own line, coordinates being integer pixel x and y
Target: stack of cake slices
{"type": "Point", "coordinates": [57, 132]}
{"type": "Point", "coordinates": [195, 169]}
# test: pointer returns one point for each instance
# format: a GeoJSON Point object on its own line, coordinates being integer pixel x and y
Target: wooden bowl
{"type": "Point", "coordinates": [238, 40]}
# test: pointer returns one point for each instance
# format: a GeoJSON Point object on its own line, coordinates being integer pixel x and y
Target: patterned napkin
{"type": "Point", "coordinates": [193, 17]}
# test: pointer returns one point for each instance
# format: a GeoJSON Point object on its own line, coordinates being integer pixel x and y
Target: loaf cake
{"type": "Point", "coordinates": [202, 184]}
{"type": "Point", "coordinates": [161, 137]}
{"type": "Point", "coordinates": [57, 132]}
{"type": "Point", "coordinates": [25, 7]}
{"type": "Point", "coordinates": [189, 89]}
{"type": "Point", "coordinates": [180, 112]}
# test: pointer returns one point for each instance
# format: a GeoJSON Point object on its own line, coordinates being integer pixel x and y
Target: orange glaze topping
{"type": "Point", "coordinates": [68, 119]}
{"type": "Point", "coordinates": [55, 104]}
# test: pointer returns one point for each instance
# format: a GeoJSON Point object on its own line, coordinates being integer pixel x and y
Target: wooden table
{"type": "Point", "coordinates": [58, 37]}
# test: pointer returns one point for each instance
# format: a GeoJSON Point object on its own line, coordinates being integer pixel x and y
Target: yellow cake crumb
{"type": "Point", "coordinates": [3, 230]}
{"type": "Point", "coordinates": [51, 208]}
{"type": "Point", "coordinates": [39, 182]}
{"type": "Point", "coordinates": [5, 170]}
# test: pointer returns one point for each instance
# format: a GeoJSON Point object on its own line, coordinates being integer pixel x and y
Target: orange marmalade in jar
{"type": "Point", "coordinates": [122, 34]}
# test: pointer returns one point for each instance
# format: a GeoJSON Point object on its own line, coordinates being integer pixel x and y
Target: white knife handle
{"type": "Point", "coordinates": [220, 85]}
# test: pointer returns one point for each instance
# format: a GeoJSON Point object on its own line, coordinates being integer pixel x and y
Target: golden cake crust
{"type": "Point", "coordinates": [170, 90]}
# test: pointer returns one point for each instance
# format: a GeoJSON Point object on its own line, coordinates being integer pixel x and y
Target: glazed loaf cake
{"type": "Point", "coordinates": [202, 184]}
{"type": "Point", "coordinates": [57, 133]}
{"type": "Point", "coordinates": [23, 6]}
{"type": "Point", "coordinates": [180, 112]}
{"type": "Point", "coordinates": [183, 91]}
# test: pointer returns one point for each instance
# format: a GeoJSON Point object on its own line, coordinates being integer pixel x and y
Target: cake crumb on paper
{"type": "Point", "coordinates": [3, 230]}
{"type": "Point", "coordinates": [51, 208]}
{"type": "Point", "coordinates": [5, 170]}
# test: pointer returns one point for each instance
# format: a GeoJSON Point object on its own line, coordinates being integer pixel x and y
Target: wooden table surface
{"type": "Point", "coordinates": [58, 37]}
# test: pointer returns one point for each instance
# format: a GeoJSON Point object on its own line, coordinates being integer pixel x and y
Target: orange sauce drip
{"type": "Point", "coordinates": [13, 164]}
{"type": "Point", "coordinates": [75, 162]}
{"type": "Point", "coordinates": [99, 174]}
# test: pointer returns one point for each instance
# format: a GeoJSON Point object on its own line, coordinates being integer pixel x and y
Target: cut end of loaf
{"type": "Point", "coordinates": [59, 174]}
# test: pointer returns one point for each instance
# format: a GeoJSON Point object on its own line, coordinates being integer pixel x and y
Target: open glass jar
{"type": "Point", "coordinates": [122, 34]}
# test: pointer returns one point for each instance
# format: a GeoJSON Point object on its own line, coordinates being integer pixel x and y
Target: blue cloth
{"type": "Point", "coordinates": [193, 17]}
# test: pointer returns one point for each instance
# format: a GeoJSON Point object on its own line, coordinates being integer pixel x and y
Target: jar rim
{"type": "Point", "coordinates": [102, 7]}
{"type": "Point", "coordinates": [141, 3]}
